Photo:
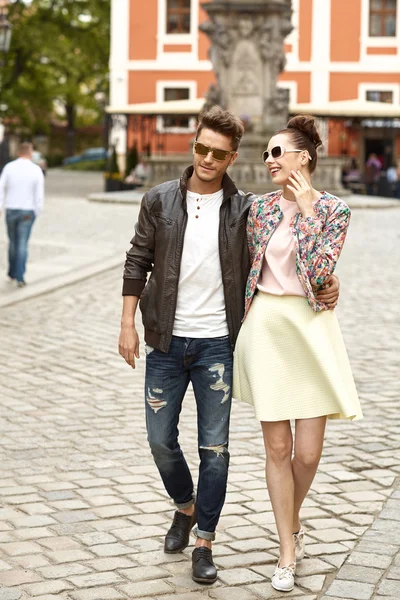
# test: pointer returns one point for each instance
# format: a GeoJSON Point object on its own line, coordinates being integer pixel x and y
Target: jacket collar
{"type": "Point", "coordinates": [228, 184]}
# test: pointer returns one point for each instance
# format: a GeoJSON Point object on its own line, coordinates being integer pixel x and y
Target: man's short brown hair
{"type": "Point", "coordinates": [25, 148]}
{"type": "Point", "coordinates": [223, 122]}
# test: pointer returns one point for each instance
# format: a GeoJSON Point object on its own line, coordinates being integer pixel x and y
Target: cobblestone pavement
{"type": "Point", "coordinates": [83, 512]}
{"type": "Point", "coordinates": [74, 238]}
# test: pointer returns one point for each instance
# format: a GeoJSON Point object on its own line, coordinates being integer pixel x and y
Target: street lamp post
{"type": "Point", "coordinates": [5, 40]}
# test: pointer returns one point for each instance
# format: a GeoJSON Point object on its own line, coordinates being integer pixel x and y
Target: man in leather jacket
{"type": "Point", "coordinates": [191, 236]}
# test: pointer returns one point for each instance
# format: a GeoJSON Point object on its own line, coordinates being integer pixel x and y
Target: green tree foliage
{"type": "Point", "coordinates": [58, 62]}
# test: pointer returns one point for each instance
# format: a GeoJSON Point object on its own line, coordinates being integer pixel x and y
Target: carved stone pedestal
{"type": "Point", "coordinates": [247, 41]}
{"type": "Point", "coordinates": [247, 52]}
{"type": "Point", "coordinates": [250, 175]}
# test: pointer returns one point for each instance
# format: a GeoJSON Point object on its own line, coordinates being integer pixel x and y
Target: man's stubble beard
{"type": "Point", "coordinates": [213, 177]}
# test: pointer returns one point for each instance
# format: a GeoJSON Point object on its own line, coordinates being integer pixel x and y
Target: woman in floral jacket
{"type": "Point", "coordinates": [290, 359]}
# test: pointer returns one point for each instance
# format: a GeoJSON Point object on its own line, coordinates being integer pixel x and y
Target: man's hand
{"type": "Point", "coordinates": [128, 345]}
{"type": "Point", "coordinates": [330, 292]}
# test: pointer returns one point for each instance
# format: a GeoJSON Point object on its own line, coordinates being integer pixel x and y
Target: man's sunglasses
{"type": "Point", "coordinates": [278, 152]}
{"type": "Point", "coordinates": [217, 154]}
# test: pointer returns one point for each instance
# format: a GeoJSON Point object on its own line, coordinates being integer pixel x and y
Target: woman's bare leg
{"type": "Point", "coordinates": [278, 443]}
{"type": "Point", "coordinates": [308, 444]}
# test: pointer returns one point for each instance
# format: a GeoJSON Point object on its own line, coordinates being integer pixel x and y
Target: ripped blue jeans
{"type": "Point", "coordinates": [207, 363]}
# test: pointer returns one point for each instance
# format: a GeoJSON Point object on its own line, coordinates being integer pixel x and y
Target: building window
{"type": "Point", "coordinates": [377, 96]}
{"type": "Point", "coordinates": [175, 91]}
{"type": "Point", "coordinates": [382, 18]}
{"type": "Point", "coordinates": [176, 121]}
{"type": "Point", "coordinates": [178, 16]}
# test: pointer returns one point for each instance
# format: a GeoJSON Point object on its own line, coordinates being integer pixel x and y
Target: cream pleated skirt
{"type": "Point", "coordinates": [291, 362]}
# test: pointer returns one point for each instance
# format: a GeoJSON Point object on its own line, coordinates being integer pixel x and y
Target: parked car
{"type": "Point", "coordinates": [39, 159]}
{"type": "Point", "coordinates": [89, 154]}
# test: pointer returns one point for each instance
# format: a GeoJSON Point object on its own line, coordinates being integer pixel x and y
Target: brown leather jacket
{"type": "Point", "coordinates": [157, 247]}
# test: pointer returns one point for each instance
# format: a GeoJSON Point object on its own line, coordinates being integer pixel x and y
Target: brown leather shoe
{"type": "Point", "coordinates": [177, 537]}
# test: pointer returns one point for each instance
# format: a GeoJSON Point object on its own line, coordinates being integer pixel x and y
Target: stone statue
{"type": "Point", "coordinates": [245, 27]}
{"type": "Point", "coordinates": [247, 52]}
{"type": "Point", "coordinates": [221, 37]}
{"type": "Point", "coordinates": [213, 97]}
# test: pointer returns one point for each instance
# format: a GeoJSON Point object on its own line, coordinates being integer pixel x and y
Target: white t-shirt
{"type": "Point", "coordinates": [22, 186]}
{"type": "Point", "coordinates": [200, 310]}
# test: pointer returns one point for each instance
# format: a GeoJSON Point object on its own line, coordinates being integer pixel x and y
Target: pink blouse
{"type": "Point", "coordinates": [278, 275]}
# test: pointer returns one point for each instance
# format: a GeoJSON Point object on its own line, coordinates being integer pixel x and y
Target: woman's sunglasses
{"type": "Point", "coordinates": [278, 152]}
{"type": "Point", "coordinates": [216, 153]}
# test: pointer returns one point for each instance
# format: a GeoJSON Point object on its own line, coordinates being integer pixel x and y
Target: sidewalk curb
{"type": "Point", "coordinates": [128, 197]}
{"type": "Point", "coordinates": [355, 202]}
{"type": "Point", "coordinates": [50, 285]}
{"type": "Point", "coordinates": [375, 541]}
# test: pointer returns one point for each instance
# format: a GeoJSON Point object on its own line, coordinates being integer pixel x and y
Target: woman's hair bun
{"type": "Point", "coordinates": [306, 124]}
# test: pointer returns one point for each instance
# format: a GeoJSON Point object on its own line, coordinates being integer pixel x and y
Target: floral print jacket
{"type": "Point", "coordinates": [318, 241]}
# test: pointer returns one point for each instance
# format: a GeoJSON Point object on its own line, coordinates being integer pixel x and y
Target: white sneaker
{"type": "Point", "coordinates": [299, 545]}
{"type": "Point", "coordinates": [283, 578]}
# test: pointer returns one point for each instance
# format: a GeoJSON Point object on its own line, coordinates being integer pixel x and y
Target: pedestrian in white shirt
{"type": "Point", "coordinates": [22, 195]}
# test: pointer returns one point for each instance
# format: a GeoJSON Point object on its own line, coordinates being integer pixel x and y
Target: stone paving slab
{"type": "Point", "coordinates": [373, 568]}
{"type": "Point", "coordinates": [82, 510]}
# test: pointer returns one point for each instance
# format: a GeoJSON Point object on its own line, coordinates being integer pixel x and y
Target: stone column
{"type": "Point", "coordinates": [247, 52]}
{"type": "Point", "coordinates": [247, 41]}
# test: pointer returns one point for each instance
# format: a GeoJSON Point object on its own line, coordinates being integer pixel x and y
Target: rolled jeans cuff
{"type": "Point", "coordinates": [204, 535]}
{"type": "Point", "coordinates": [188, 504]}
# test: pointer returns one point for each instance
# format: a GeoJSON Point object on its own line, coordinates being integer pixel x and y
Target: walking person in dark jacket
{"type": "Point", "coordinates": [191, 235]}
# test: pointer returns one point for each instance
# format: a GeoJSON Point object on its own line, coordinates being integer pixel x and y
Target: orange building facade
{"type": "Point", "coordinates": [340, 55]}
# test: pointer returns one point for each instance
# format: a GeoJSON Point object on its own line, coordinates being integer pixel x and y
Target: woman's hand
{"type": "Point", "coordinates": [303, 192]}
{"type": "Point", "coordinates": [329, 294]}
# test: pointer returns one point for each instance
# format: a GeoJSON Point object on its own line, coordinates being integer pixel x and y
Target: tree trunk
{"type": "Point", "coordinates": [70, 110]}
